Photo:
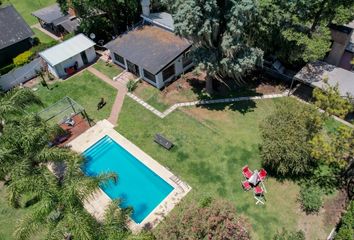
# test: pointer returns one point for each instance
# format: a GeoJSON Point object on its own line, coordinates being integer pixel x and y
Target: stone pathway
{"type": "Point", "coordinates": [118, 102]}
{"type": "Point", "coordinates": [38, 26]}
{"type": "Point", "coordinates": [200, 102]}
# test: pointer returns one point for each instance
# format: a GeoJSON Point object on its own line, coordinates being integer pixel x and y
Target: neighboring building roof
{"type": "Point", "coordinates": [71, 24]}
{"type": "Point", "coordinates": [67, 49]}
{"type": "Point", "coordinates": [13, 28]}
{"type": "Point", "coordinates": [161, 19]}
{"type": "Point", "coordinates": [314, 73]}
{"type": "Point", "coordinates": [49, 14]}
{"type": "Point", "coordinates": [149, 47]}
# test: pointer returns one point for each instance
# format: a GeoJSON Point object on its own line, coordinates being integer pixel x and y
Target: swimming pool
{"type": "Point", "coordinates": [137, 186]}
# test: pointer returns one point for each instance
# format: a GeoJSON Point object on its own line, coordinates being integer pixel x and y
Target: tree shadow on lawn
{"type": "Point", "coordinates": [242, 107]}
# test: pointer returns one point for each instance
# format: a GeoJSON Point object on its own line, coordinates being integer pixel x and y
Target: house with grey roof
{"type": "Point", "coordinates": [15, 34]}
{"type": "Point", "coordinates": [151, 50]}
{"type": "Point", "coordinates": [53, 19]}
{"type": "Point", "coordinates": [313, 74]}
{"type": "Point", "coordinates": [69, 56]}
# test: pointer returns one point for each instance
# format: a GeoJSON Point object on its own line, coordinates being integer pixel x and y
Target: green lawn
{"type": "Point", "coordinates": [43, 38]}
{"type": "Point", "coordinates": [26, 7]}
{"type": "Point", "coordinates": [110, 70]}
{"type": "Point", "coordinates": [84, 88]}
{"type": "Point", "coordinates": [152, 96]}
{"type": "Point", "coordinates": [212, 145]}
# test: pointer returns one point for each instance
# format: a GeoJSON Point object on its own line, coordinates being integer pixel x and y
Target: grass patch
{"type": "Point", "coordinates": [86, 89]}
{"type": "Point", "coordinates": [26, 7]}
{"type": "Point", "coordinates": [152, 96]}
{"type": "Point", "coordinates": [43, 38]}
{"type": "Point", "coordinates": [109, 69]}
{"type": "Point", "coordinates": [212, 145]}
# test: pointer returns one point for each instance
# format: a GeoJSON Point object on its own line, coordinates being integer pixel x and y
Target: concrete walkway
{"type": "Point", "coordinates": [200, 102]}
{"type": "Point", "coordinates": [118, 102]}
{"type": "Point", "coordinates": [39, 27]}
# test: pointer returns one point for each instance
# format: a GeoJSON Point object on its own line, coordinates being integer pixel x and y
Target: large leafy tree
{"type": "Point", "coordinates": [216, 220]}
{"type": "Point", "coordinates": [221, 36]}
{"type": "Point", "coordinates": [119, 13]}
{"type": "Point", "coordinates": [297, 30]}
{"type": "Point", "coordinates": [286, 136]}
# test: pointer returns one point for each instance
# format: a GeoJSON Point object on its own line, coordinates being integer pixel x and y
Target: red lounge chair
{"type": "Point", "coordinates": [247, 173]}
{"type": "Point", "coordinates": [258, 191]}
{"type": "Point", "coordinates": [246, 185]}
{"type": "Point", "coordinates": [262, 174]}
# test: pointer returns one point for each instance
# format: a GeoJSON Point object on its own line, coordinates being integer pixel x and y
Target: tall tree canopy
{"type": "Point", "coordinates": [221, 36]}
{"type": "Point", "coordinates": [286, 136]}
{"type": "Point", "coordinates": [297, 30]}
{"type": "Point", "coordinates": [215, 220]}
{"type": "Point", "coordinates": [118, 14]}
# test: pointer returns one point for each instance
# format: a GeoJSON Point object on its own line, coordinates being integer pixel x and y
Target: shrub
{"type": "Point", "coordinates": [286, 235]}
{"type": "Point", "coordinates": [331, 101]}
{"type": "Point", "coordinates": [311, 198]}
{"type": "Point", "coordinates": [346, 226]}
{"type": "Point", "coordinates": [216, 221]}
{"type": "Point", "coordinates": [23, 58]}
{"type": "Point", "coordinates": [131, 85]}
{"type": "Point", "coordinates": [285, 147]}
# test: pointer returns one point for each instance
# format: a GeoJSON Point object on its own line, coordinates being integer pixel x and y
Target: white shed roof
{"type": "Point", "coordinates": [67, 49]}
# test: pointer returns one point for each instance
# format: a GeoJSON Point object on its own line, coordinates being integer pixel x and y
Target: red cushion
{"type": "Point", "coordinates": [258, 190]}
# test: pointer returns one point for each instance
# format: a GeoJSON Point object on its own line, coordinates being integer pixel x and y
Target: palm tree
{"type": "Point", "coordinates": [14, 101]}
{"type": "Point", "coordinates": [59, 197]}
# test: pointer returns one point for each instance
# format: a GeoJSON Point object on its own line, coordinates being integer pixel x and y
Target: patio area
{"type": "Point", "coordinates": [81, 125]}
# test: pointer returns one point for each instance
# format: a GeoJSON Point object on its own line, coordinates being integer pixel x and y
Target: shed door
{"type": "Point", "coordinates": [84, 57]}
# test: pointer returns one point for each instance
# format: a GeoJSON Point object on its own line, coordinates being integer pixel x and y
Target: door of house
{"type": "Point", "coordinates": [133, 68]}
{"type": "Point", "coordinates": [84, 57]}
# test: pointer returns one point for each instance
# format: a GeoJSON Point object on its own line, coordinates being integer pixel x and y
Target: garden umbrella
{"type": "Point", "coordinates": [254, 178]}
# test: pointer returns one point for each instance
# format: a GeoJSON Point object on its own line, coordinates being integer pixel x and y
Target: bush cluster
{"type": "Point", "coordinates": [346, 226]}
{"type": "Point", "coordinates": [311, 198]}
{"type": "Point", "coordinates": [23, 58]}
{"type": "Point", "coordinates": [131, 85]}
{"type": "Point", "coordinates": [286, 235]}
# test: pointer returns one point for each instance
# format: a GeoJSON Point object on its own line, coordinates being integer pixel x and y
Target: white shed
{"type": "Point", "coordinates": [70, 55]}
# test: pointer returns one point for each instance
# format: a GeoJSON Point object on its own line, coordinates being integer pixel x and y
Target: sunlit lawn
{"type": "Point", "coordinates": [212, 145]}
{"type": "Point", "coordinates": [110, 70]}
{"type": "Point", "coordinates": [43, 38]}
{"type": "Point", "coordinates": [26, 7]}
{"type": "Point", "coordinates": [84, 88]}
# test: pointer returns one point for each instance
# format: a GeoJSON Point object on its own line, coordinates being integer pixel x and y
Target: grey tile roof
{"type": "Point", "coordinates": [13, 28]}
{"type": "Point", "coordinates": [313, 74]}
{"type": "Point", "coordinates": [49, 14]}
{"type": "Point", "coordinates": [150, 47]}
{"type": "Point", "coordinates": [162, 19]}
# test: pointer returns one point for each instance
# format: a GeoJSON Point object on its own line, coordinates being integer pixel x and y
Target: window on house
{"type": "Point", "coordinates": [119, 58]}
{"type": "Point", "coordinates": [149, 76]}
{"type": "Point", "coordinates": [168, 72]}
{"type": "Point", "coordinates": [186, 59]}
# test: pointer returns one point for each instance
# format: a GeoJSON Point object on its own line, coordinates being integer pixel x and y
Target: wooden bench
{"type": "Point", "coordinates": [163, 141]}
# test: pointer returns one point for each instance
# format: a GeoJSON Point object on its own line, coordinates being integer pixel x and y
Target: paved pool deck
{"type": "Point", "coordinates": [97, 204]}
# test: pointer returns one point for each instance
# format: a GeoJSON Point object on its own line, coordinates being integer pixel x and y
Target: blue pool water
{"type": "Point", "coordinates": [137, 185]}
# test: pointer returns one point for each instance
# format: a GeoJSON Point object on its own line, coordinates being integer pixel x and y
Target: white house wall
{"type": "Point", "coordinates": [53, 71]}
{"type": "Point", "coordinates": [60, 68]}
{"type": "Point", "coordinates": [91, 54]}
